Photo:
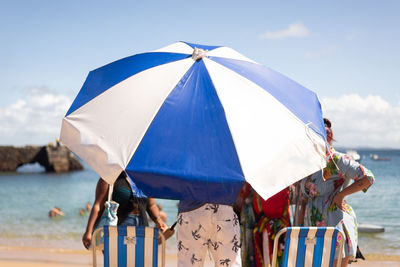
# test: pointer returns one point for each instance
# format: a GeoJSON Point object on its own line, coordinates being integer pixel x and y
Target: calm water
{"type": "Point", "coordinates": [381, 204]}
{"type": "Point", "coordinates": [27, 196]}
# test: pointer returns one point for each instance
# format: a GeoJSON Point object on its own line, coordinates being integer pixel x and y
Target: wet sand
{"type": "Point", "coordinates": [35, 257]}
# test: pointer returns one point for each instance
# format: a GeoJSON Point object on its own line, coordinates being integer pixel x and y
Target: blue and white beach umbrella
{"type": "Point", "coordinates": [191, 121]}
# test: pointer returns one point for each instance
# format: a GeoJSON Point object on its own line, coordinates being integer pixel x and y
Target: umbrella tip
{"type": "Point", "coordinates": [198, 53]}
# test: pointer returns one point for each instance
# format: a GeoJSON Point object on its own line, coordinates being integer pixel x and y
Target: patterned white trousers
{"type": "Point", "coordinates": [212, 227]}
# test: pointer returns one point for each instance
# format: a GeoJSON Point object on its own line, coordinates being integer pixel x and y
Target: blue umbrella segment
{"type": "Point", "coordinates": [190, 121]}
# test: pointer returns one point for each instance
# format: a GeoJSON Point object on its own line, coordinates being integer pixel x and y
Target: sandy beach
{"type": "Point", "coordinates": [35, 257]}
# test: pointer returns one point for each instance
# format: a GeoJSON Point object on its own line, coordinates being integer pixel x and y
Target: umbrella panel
{"type": "Point", "coordinates": [189, 139]}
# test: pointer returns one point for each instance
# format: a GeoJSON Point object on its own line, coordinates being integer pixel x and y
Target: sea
{"type": "Point", "coordinates": [27, 196]}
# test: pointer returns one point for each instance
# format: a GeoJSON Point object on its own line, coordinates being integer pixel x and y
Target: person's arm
{"type": "Point", "coordinates": [59, 212]}
{"type": "Point", "coordinates": [303, 188]}
{"type": "Point", "coordinates": [350, 169]}
{"type": "Point", "coordinates": [357, 186]}
{"type": "Point", "coordinates": [300, 211]}
{"type": "Point", "coordinates": [54, 212]}
{"type": "Point", "coordinates": [98, 207]}
{"type": "Point", "coordinates": [154, 214]}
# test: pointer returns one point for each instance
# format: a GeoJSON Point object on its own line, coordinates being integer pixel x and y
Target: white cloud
{"type": "Point", "coordinates": [363, 122]}
{"type": "Point", "coordinates": [35, 119]}
{"type": "Point", "coordinates": [322, 52]}
{"type": "Point", "coordinates": [297, 30]}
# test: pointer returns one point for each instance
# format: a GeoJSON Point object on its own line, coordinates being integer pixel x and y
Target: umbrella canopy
{"type": "Point", "coordinates": [191, 121]}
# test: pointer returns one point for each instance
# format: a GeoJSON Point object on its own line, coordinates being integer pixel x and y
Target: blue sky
{"type": "Point", "coordinates": [345, 51]}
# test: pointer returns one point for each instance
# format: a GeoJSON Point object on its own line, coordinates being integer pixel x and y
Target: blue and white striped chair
{"type": "Point", "coordinates": [130, 246]}
{"type": "Point", "coordinates": [309, 246]}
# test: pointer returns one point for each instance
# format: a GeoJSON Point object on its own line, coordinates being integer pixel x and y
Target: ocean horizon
{"type": "Point", "coordinates": [28, 194]}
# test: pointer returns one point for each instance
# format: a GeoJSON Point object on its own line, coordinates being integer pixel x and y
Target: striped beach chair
{"type": "Point", "coordinates": [130, 246]}
{"type": "Point", "coordinates": [309, 246]}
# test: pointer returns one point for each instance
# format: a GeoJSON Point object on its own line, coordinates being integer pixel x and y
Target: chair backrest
{"type": "Point", "coordinates": [130, 246]}
{"type": "Point", "coordinates": [310, 246]}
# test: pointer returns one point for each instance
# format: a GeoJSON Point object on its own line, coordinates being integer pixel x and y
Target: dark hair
{"type": "Point", "coordinates": [327, 123]}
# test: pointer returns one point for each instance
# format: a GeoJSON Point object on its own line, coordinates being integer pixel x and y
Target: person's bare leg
{"type": "Point", "coordinates": [345, 262]}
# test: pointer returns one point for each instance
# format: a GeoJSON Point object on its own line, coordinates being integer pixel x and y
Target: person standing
{"type": "Point", "coordinates": [131, 210]}
{"type": "Point", "coordinates": [325, 193]}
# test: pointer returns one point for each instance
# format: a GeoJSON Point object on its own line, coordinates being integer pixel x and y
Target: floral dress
{"type": "Point", "coordinates": [320, 211]}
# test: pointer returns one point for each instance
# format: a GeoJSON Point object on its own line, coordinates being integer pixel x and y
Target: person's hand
{"type": "Point", "coordinates": [339, 201]}
{"type": "Point", "coordinates": [160, 224]}
{"type": "Point", "coordinates": [87, 239]}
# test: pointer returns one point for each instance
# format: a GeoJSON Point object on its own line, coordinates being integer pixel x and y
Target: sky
{"type": "Point", "coordinates": [345, 51]}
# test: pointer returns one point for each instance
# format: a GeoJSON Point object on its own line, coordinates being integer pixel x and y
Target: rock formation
{"type": "Point", "coordinates": [52, 158]}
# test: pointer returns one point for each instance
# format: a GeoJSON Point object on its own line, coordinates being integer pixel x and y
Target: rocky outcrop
{"type": "Point", "coordinates": [52, 158]}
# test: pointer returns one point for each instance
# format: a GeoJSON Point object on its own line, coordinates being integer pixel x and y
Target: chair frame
{"type": "Point", "coordinates": [284, 230]}
{"type": "Point", "coordinates": [99, 230]}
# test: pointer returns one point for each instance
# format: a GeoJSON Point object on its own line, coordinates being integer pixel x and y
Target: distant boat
{"type": "Point", "coordinates": [376, 157]}
{"type": "Point", "coordinates": [353, 154]}
{"type": "Point", "coordinates": [370, 228]}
